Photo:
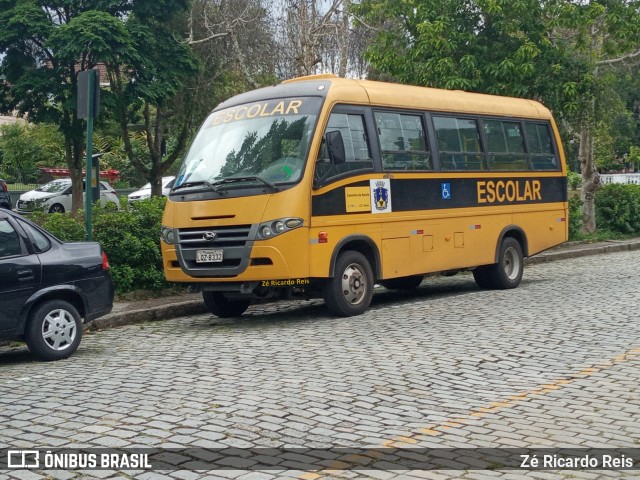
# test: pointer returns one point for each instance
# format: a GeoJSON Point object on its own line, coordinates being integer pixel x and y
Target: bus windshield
{"type": "Point", "coordinates": [261, 143]}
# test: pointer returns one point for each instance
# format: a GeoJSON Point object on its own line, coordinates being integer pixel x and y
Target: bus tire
{"type": "Point", "coordinates": [403, 283]}
{"type": "Point", "coordinates": [507, 273]}
{"type": "Point", "coordinates": [482, 277]}
{"type": "Point", "coordinates": [222, 307]}
{"type": "Point", "coordinates": [350, 290]}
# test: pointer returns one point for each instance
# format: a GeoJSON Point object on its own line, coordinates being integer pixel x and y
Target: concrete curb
{"type": "Point", "coordinates": [583, 250]}
{"type": "Point", "coordinates": [161, 312]}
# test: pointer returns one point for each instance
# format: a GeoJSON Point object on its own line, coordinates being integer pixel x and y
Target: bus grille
{"type": "Point", "coordinates": [236, 242]}
{"type": "Point", "coordinates": [233, 236]}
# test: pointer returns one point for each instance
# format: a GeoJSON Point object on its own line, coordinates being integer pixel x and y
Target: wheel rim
{"type": "Point", "coordinates": [59, 330]}
{"type": "Point", "coordinates": [354, 287]}
{"type": "Point", "coordinates": [56, 209]}
{"type": "Point", "coordinates": [511, 263]}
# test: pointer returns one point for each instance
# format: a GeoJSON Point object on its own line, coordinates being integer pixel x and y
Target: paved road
{"type": "Point", "coordinates": [554, 363]}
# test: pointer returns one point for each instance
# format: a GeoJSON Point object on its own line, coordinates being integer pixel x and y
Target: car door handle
{"type": "Point", "coordinates": [25, 275]}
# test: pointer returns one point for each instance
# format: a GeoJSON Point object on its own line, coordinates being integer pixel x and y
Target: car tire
{"type": "Point", "coordinates": [403, 283]}
{"type": "Point", "coordinates": [54, 330]}
{"type": "Point", "coordinates": [223, 307]}
{"type": "Point", "coordinates": [56, 208]}
{"type": "Point", "coordinates": [350, 290]}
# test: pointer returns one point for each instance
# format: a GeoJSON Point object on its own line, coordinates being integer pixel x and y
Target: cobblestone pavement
{"type": "Point", "coordinates": [553, 363]}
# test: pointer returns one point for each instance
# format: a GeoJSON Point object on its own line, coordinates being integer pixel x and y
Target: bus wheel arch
{"type": "Point", "coordinates": [354, 265]}
{"type": "Point", "coordinates": [517, 233]}
{"type": "Point", "coordinates": [358, 243]}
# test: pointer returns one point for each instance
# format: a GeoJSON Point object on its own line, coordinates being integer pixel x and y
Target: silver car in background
{"type": "Point", "coordinates": [145, 191]}
{"type": "Point", "coordinates": [55, 197]}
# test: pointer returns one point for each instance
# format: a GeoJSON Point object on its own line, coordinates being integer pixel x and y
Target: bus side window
{"type": "Point", "coordinates": [505, 146]}
{"type": "Point", "coordinates": [356, 147]}
{"type": "Point", "coordinates": [540, 146]}
{"type": "Point", "coordinates": [402, 141]}
{"type": "Point", "coordinates": [458, 143]}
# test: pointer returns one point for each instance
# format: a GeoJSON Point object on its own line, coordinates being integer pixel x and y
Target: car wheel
{"type": "Point", "coordinates": [222, 307]}
{"type": "Point", "coordinates": [403, 283]}
{"type": "Point", "coordinates": [350, 291]}
{"type": "Point", "coordinates": [56, 208]}
{"type": "Point", "coordinates": [54, 330]}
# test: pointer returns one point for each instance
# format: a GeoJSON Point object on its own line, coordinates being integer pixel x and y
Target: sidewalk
{"type": "Point", "coordinates": [162, 308]}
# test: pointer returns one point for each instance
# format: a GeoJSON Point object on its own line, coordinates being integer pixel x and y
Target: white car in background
{"type": "Point", "coordinates": [55, 197]}
{"type": "Point", "coordinates": [145, 191]}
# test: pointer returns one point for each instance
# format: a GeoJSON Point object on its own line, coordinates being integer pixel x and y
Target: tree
{"type": "Point", "coordinates": [549, 50]}
{"type": "Point", "coordinates": [316, 36]}
{"type": "Point", "coordinates": [39, 40]}
{"type": "Point", "coordinates": [25, 147]}
{"type": "Point", "coordinates": [149, 76]}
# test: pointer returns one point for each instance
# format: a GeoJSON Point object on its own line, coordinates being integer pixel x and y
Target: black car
{"type": "Point", "coordinates": [5, 197]}
{"type": "Point", "coordinates": [47, 287]}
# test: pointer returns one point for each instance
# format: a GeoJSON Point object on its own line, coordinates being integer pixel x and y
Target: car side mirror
{"type": "Point", "coordinates": [335, 147]}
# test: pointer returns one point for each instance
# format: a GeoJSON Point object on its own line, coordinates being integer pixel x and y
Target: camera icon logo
{"type": "Point", "coordinates": [23, 459]}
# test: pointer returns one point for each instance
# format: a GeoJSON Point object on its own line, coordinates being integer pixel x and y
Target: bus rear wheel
{"type": "Point", "coordinates": [403, 283]}
{"type": "Point", "coordinates": [350, 290]}
{"type": "Point", "coordinates": [505, 274]}
{"type": "Point", "coordinates": [222, 307]}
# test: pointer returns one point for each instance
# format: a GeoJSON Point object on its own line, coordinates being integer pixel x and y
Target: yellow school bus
{"type": "Point", "coordinates": [324, 187]}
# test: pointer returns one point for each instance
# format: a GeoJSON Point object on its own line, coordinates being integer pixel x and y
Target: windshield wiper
{"type": "Point", "coordinates": [273, 186]}
{"type": "Point", "coordinates": [197, 183]}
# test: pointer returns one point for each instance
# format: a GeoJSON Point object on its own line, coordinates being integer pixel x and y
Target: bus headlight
{"type": "Point", "coordinates": [169, 235]}
{"type": "Point", "coordinates": [273, 228]}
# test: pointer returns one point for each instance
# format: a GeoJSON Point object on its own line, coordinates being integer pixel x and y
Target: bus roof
{"type": "Point", "coordinates": [368, 92]}
{"type": "Point", "coordinates": [343, 90]}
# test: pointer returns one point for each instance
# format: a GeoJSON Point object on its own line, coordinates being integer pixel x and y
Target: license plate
{"type": "Point", "coordinates": [208, 256]}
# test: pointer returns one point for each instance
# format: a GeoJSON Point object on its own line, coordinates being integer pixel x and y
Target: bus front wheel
{"type": "Point", "coordinates": [222, 307]}
{"type": "Point", "coordinates": [505, 274]}
{"type": "Point", "coordinates": [349, 291]}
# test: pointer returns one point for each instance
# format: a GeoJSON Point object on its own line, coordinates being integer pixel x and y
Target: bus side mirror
{"type": "Point", "coordinates": [335, 147]}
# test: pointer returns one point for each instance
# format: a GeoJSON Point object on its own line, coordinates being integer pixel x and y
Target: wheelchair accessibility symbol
{"type": "Point", "coordinates": [445, 188]}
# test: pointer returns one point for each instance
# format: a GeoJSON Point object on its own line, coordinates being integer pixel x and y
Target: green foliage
{"type": "Point", "coordinates": [618, 208]}
{"type": "Point", "coordinates": [574, 179]}
{"type": "Point", "coordinates": [130, 237]}
{"type": "Point", "coordinates": [64, 226]}
{"type": "Point", "coordinates": [25, 147]}
{"type": "Point", "coordinates": [575, 218]}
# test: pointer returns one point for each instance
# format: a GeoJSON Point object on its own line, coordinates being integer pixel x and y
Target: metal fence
{"type": "Point", "coordinates": [628, 178]}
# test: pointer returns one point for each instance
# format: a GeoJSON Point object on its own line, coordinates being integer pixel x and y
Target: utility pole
{"type": "Point", "coordinates": [88, 108]}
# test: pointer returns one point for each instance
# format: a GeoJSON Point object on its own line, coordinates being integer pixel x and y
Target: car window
{"type": "Point", "coordinates": [40, 242]}
{"type": "Point", "coordinates": [54, 187]}
{"type": "Point", "coordinates": [9, 240]}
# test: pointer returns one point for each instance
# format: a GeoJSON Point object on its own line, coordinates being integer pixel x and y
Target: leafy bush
{"type": "Point", "coordinates": [618, 208]}
{"type": "Point", "coordinates": [574, 179]}
{"type": "Point", "coordinates": [62, 225]}
{"type": "Point", "coordinates": [130, 237]}
{"type": "Point", "coordinates": [575, 218]}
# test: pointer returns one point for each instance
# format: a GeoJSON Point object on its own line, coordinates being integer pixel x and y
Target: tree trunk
{"type": "Point", "coordinates": [590, 180]}
{"type": "Point", "coordinates": [344, 40]}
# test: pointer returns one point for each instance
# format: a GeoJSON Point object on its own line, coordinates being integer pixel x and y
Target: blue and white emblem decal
{"type": "Point", "coordinates": [381, 194]}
